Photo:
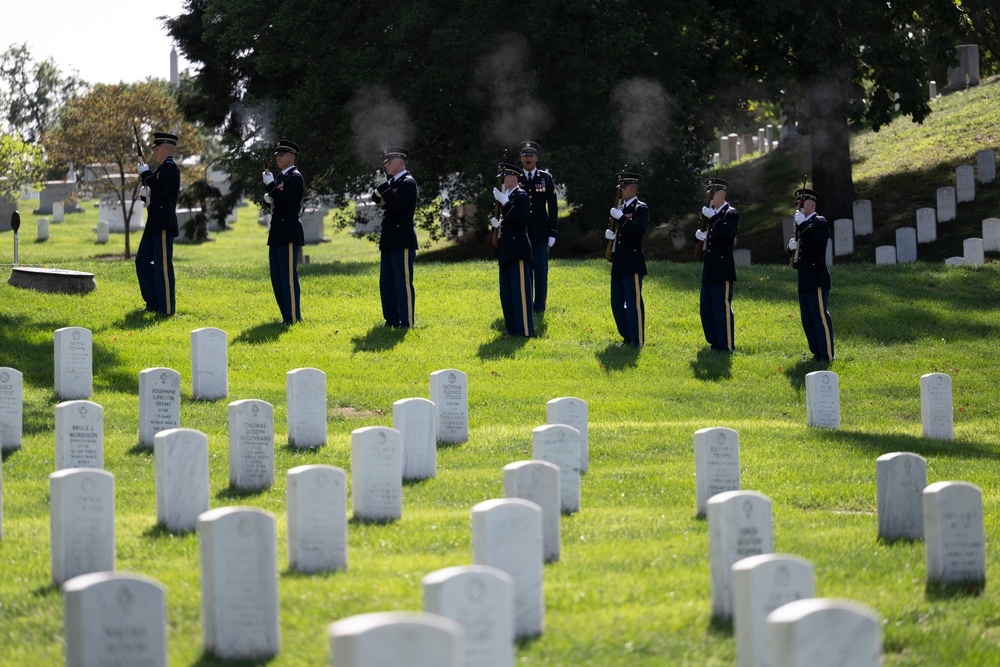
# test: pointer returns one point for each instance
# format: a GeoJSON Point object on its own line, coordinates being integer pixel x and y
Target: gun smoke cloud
{"type": "Point", "coordinates": [643, 109]}
{"type": "Point", "coordinates": [506, 75]}
{"type": "Point", "coordinates": [256, 121]}
{"type": "Point", "coordinates": [377, 121]}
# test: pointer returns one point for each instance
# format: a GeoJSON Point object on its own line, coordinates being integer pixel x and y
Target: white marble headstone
{"type": "Point", "coordinates": [209, 364]}
{"type": "Point", "coordinates": [182, 484]}
{"type": "Point", "coordinates": [900, 478]}
{"type": "Point", "coordinates": [955, 261]}
{"type": "Point", "coordinates": [991, 235]}
{"type": "Point", "coordinates": [102, 231]}
{"type": "Point", "coordinates": [862, 212]}
{"type": "Point", "coordinates": [739, 525]}
{"type": "Point", "coordinates": [559, 444]}
{"type": "Point", "coordinates": [741, 256]}
{"type": "Point", "coordinates": [829, 252]}
{"type": "Point", "coordinates": [787, 230]}
{"type": "Point", "coordinates": [538, 481]}
{"type": "Point", "coordinates": [986, 166]}
{"type": "Point", "coordinates": [11, 408]}
{"type": "Point", "coordinates": [821, 632]}
{"type": "Point", "coordinates": [251, 444]}
{"type": "Point", "coordinates": [450, 393]}
{"type": "Point", "coordinates": [716, 463]}
{"type": "Point", "coordinates": [58, 211]}
{"type": "Point", "coordinates": [936, 413]}
{"type": "Point", "coordinates": [954, 538]}
{"type": "Point", "coordinates": [240, 616]}
{"type": "Point", "coordinates": [377, 473]}
{"type": "Point", "coordinates": [306, 391]}
{"type": "Point", "coordinates": [885, 254]}
{"type": "Point", "coordinates": [507, 534]}
{"type": "Point", "coordinates": [761, 584]}
{"type": "Point", "coordinates": [843, 237]}
{"type": "Point", "coordinates": [480, 598]}
{"type": "Point", "coordinates": [416, 421]}
{"type": "Point", "coordinates": [906, 244]}
{"type": "Point", "coordinates": [1, 495]}
{"type": "Point", "coordinates": [926, 225]}
{"type": "Point", "coordinates": [74, 364]}
{"type": "Point", "coordinates": [79, 435]}
{"type": "Point", "coordinates": [42, 229]}
{"type": "Point", "coordinates": [946, 206]}
{"type": "Point", "coordinates": [396, 639]}
{"type": "Point", "coordinates": [159, 402]}
{"type": "Point", "coordinates": [571, 411]}
{"type": "Point", "coordinates": [823, 399]}
{"type": "Point", "coordinates": [112, 619]}
{"type": "Point", "coordinates": [316, 498]}
{"type": "Point", "coordinates": [972, 251]}
{"type": "Point", "coordinates": [81, 522]}
{"type": "Point", "coordinates": [965, 183]}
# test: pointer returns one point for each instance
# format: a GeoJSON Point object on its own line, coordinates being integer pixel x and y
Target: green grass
{"type": "Point", "coordinates": [632, 587]}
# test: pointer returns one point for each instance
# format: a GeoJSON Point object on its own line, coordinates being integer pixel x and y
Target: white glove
{"type": "Point", "coordinates": [800, 217]}
{"type": "Point", "coordinates": [143, 167]}
{"type": "Point", "coordinates": [616, 213]}
{"type": "Point", "coordinates": [708, 211]}
{"type": "Point", "coordinates": [701, 235]}
{"type": "Point", "coordinates": [793, 244]}
{"type": "Point", "coordinates": [494, 222]}
{"type": "Point", "coordinates": [501, 197]}
{"type": "Point", "coordinates": [552, 240]}
{"type": "Point", "coordinates": [268, 199]}
{"type": "Point", "coordinates": [608, 234]}
{"type": "Point", "coordinates": [268, 177]}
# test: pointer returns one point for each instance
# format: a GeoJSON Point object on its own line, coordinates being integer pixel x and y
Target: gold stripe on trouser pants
{"type": "Point", "coordinates": [524, 301]}
{"type": "Point", "coordinates": [409, 292]}
{"type": "Point", "coordinates": [826, 327]}
{"type": "Point", "coordinates": [291, 279]}
{"type": "Point", "coordinates": [729, 319]}
{"type": "Point", "coordinates": [638, 307]}
{"type": "Point", "coordinates": [166, 270]}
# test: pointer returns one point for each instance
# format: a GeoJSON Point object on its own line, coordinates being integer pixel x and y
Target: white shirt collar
{"type": "Point", "coordinates": [287, 169]}
{"type": "Point", "coordinates": [399, 175]}
{"type": "Point", "coordinates": [629, 202]}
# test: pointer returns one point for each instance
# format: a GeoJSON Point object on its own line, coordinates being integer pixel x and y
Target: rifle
{"type": "Point", "coordinates": [699, 247]}
{"type": "Point", "coordinates": [794, 262]}
{"type": "Point", "coordinates": [138, 150]}
{"type": "Point", "coordinates": [495, 238]}
{"type": "Point", "coordinates": [609, 251]}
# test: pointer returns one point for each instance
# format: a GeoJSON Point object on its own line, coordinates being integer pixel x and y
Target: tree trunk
{"type": "Point", "coordinates": [831, 149]}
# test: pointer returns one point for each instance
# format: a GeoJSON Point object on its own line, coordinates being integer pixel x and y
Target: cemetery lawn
{"type": "Point", "coordinates": [632, 586]}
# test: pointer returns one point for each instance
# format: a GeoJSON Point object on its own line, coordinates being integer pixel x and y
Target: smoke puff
{"type": "Point", "coordinates": [256, 120]}
{"type": "Point", "coordinates": [377, 121]}
{"type": "Point", "coordinates": [644, 116]}
{"type": "Point", "coordinates": [508, 80]}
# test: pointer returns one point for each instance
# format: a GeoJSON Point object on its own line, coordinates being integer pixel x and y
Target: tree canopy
{"type": "Point", "coordinates": [31, 93]}
{"type": "Point", "coordinates": [21, 164]}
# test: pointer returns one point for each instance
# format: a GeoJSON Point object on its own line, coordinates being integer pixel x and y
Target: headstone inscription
{"type": "Point", "coordinates": [739, 525]}
{"type": "Point", "coordinates": [538, 481]}
{"type": "Point", "coordinates": [316, 498]}
{"type": "Point", "coordinates": [906, 244]}
{"type": "Point", "coordinates": [954, 538]}
{"type": "Point", "coordinates": [240, 617]}
{"type": "Point", "coordinates": [159, 402]}
{"type": "Point", "coordinates": [965, 183]}
{"type": "Point", "coordinates": [900, 479]}
{"type": "Point", "coordinates": [823, 399]}
{"type": "Point", "coordinates": [571, 411]}
{"type": "Point", "coordinates": [480, 599]}
{"type": "Point", "coordinates": [559, 444]}
{"type": "Point", "coordinates": [180, 456]}
{"type": "Point", "coordinates": [936, 415]}
{"type": "Point", "coordinates": [81, 522]}
{"type": "Point", "coordinates": [11, 408]}
{"type": "Point", "coordinates": [507, 535]}
{"type": "Point", "coordinates": [251, 444]}
{"type": "Point", "coordinates": [113, 620]}
{"type": "Point", "coordinates": [306, 391]}
{"type": "Point", "coordinates": [79, 435]}
{"type": "Point", "coordinates": [843, 237]}
{"type": "Point", "coordinates": [821, 632]}
{"type": "Point", "coordinates": [716, 463]}
{"type": "Point", "coordinates": [450, 393]}
{"type": "Point", "coordinates": [863, 221]}
{"type": "Point", "coordinates": [946, 204]}
{"type": "Point", "coordinates": [926, 225]}
{"type": "Point", "coordinates": [394, 638]}
{"type": "Point", "coordinates": [416, 421]}
{"type": "Point", "coordinates": [761, 584]}
{"type": "Point", "coordinates": [377, 473]}
{"type": "Point", "coordinates": [209, 364]}
{"type": "Point", "coordinates": [74, 365]}
{"type": "Point", "coordinates": [972, 251]}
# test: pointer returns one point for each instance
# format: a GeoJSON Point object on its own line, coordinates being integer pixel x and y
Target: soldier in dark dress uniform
{"type": "Point", "coordinates": [154, 259]}
{"type": "Point", "coordinates": [286, 236]}
{"type": "Point", "coordinates": [543, 218]}
{"type": "Point", "coordinates": [628, 263]}
{"type": "Point", "coordinates": [398, 242]}
{"type": "Point", "coordinates": [719, 270]}
{"type": "Point", "coordinates": [515, 253]}
{"type": "Point", "coordinates": [811, 234]}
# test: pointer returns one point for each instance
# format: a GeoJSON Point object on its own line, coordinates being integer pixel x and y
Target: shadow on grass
{"type": "Point", "coordinates": [526, 642]}
{"type": "Point", "coordinates": [720, 627]}
{"type": "Point", "coordinates": [797, 374]}
{"type": "Point", "coordinates": [138, 319]}
{"type": "Point", "coordinates": [295, 450]}
{"type": "Point", "coordinates": [209, 659]}
{"type": "Point", "coordinates": [616, 357]}
{"type": "Point", "coordinates": [359, 521]}
{"type": "Point", "coordinates": [46, 590]}
{"type": "Point", "coordinates": [140, 450]}
{"type": "Point", "coordinates": [321, 574]}
{"type": "Point", "coordinates": [337, 268]}
{"type": "Point", "coordinates": [267, 332]}
{"type": "Point", "coordinates": [417, 482]}
{"type": "Point", "coordinates": [159, 531]}
{"type": "Point", "coordinates": [885, 443]}
{"type": "Point", "coordinates": [235, 493]}
{"type": "Point", "coordinates": [968, 589]}
{"type": "Point", "coordinates": [379, 338]}
{"type": "Point", "coordinates": [711, 365]}
{"type": "Point", "coordinates": [502, 347]}
{"type": "Point", "coordinates": [540, 326]}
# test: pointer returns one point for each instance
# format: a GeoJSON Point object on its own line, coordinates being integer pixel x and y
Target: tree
{"type": "Point", "coordinates": [981, 20]}
{"type": "Point", "coordinates": [21, 164]}
{"type": "Point", "coordinates": [31, 93]}
{"type": "Point", "coordinates": [97, 130]}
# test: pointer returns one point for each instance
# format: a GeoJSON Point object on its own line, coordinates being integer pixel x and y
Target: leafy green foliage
{"type": "Point", "coordinates": [31, 93]}
{"type": "Point", "coordinates": [21, 164]}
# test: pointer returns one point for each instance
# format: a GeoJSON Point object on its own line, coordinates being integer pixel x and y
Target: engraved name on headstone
{"type": "Point", "coordinates": [538, 481]}
{"type": "Point", "coordinates": [559, 444]}
{"type": "Point", "coordinates": [79, 435]}
{"type": "Point", "coordinates": [823, 399]}
{"type": "Point", "coordinates": [739, 525]}
{"type": "Point", "coordinates": [377, 473]}
{"type": "Point", "coordinates": [180, 456]}
{"type": "Point", "coordinates": [716, 463]}
{"type": "Point", "coordinates": [395, 638]}
{"type": "Point", "coordinates": [209, 364]}
{"type": "Point", "coordinates": [416, 421]}
{"type": "Point", "coordinates": [820, 632]}
{"type": "Point", "coordinates": [251, 444]}
{"type": "Point", "coordinates": [936, 414]}
{"type": "Point", "coordinates": [954, 538]}
{"type": "Point", "coordinates": [900, 481]}
{"type": "Point", "coordinates": [74, 365]}
{"type": "Point", "coordinates": [11, 408]}
{"type": "Point", "coordinates": [159, 402]}
{"type": "Point", "coordinates": [450, 393]}
{"type": "Point", "coordinates": [81, 522]}
{"type": "Point", "coordinates": [571, 411]}
{"type": "Point", "coordinates": [316, 498]}
{"type": "Point", "coordinates": [306, 390]}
